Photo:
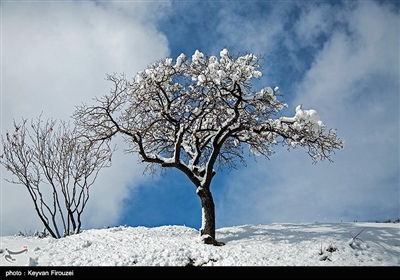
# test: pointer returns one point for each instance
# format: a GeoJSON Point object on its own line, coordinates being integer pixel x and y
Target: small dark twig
{"type": "Point", "coordinates": [354, 238]}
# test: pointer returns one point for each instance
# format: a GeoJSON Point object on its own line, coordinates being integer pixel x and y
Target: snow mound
{"type": "Point", "coordinates": [249, 245]}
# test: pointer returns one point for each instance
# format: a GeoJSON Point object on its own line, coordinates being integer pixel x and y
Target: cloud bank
{"type": "Point", "coordinates": [55, 56]}
{"type": "Point", "coordinates": [353, 83]}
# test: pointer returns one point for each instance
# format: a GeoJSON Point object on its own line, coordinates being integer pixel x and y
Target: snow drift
{"type": "Point", "coordinates": [327, 244]}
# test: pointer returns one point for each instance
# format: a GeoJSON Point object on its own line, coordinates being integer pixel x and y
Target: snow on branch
{"type": "Point", "coordinates": [199, 114]}
{"type": "Point", "coordinates": [307, 130]}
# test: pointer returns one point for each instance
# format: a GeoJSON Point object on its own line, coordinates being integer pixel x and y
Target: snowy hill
{"type": "Point", "coordinates": [328, 244]}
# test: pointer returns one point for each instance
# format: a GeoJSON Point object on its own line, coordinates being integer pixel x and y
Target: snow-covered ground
{"type": "Point", "coordinates": [319, 244]}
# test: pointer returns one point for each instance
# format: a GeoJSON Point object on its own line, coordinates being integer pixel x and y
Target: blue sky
{"type": "Point", "coordinates": [338, 57]}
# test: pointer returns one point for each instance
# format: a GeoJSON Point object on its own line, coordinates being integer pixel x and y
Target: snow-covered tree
{"type": "Point", "coordinates": [57, 167]}
{"type": "Point", "coordinates": [198, 115]}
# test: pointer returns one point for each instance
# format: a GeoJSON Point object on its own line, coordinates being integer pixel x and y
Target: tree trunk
{"type": "Point", "coordinates": [207, 230]}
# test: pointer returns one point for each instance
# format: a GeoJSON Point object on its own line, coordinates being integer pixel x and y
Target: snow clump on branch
{"type": "Point", "coordinates": [242, 69]}
{"type": "Point", "coordinates": [304, 118]}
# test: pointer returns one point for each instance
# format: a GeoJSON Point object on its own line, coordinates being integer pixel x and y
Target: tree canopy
{"type": "Point", "coordinates": [199, 115]}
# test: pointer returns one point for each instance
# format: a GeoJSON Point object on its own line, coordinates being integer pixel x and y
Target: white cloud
{"type": "Point", "coordinates": [55, 56]}
{"type": "Point", "coordinates": [354, 85]}
{"type": "Point", "coordinates": [256, 34]}
{"type": "Point", "coordinates": [353, 57]}
{"type": "Point", "coordinates": [314, 22]}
